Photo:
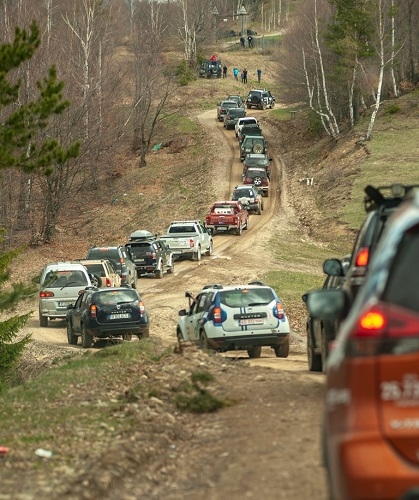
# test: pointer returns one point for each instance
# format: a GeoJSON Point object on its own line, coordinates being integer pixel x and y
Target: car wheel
{"type": "Point", "coordinates": [259, 210]}
{"type": "Point", "coordinates": [127, 336]}
{"type": "Point", "coordinates": [72, 339]}
{"type": "Point", "coordinates": [210, 249]}
{"type": "Point", "coordinates": [179, 335]}
{"type": "Point", "coordinates": [203, 342]}
{"type": "Point", "coordinates": [197, 255]}
{"type": "Point", "coordinates": [254, 352]}
{"type": "Point", "coordinates": [86, 338]}
{"type": "Point", "coordinates": [258, 148]}
{"type": "Point", "coordinates": [134, 284]}
{"type": "Point", "coordinates": [249, 106]}
{"type": "Point", "coordinates": [43, 321]}
{"type": "Point", "coordinates": [283, 350]}
{"type": "Point", "coordinates": [246, 227]}
{"type": "Point", "coordinates": [158, 273]}
{"type": "Point", "coordinates": [96, 280]}
{"type": "Point", "coordinates": [314, 359]}
{"type": "Point", "coordinates": [264, 106]}
{"type": "Point", "coordinates": [171, 268]}
{"type": "Point", "coordinates": [239, 231]}
{"type": "Point", "coordinates": [145, 333]}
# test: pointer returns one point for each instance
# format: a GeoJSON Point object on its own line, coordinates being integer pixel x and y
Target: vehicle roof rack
{"type": "Point", "coordinates": [214, 285]}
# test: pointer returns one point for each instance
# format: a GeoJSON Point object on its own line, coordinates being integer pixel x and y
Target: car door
{"type": "Point", "coordinates": [113, 275]}
{"type": "Point", "coordinates": [77, 312]}
{"type": "Point", "coordinates": [192, 321]}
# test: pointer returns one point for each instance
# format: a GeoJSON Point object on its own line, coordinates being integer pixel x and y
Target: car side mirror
{"type": "Point", "coordinates": [183, 312]}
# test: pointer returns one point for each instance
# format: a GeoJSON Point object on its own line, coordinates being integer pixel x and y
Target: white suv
{"type": "Point", "coordinates": [246, 120]}
{"type": "Point", "coordinates": [238, 317]}
{"type": "Point", "coordinates": [60, 285]}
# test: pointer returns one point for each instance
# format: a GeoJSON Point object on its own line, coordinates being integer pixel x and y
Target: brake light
{"type": "Point", "coordinates": [217, 315]}
{"type": "Point", "coordinates": [362, 257]}
{"type": "Point", "coordinates": [108, 282]}
{"type": "Point", "coordinates": [141, 307]}
{"type": "Point", "coordinates": [93, 311]}
{"type": "Point", "coordinates": [44, 295]}
{"type": "Point", "coordinates": [279, 311]}
{"type": "Point", "coordinates": [372, 321]}
{"type": "Point", "coordinates": [153, 255]}
{"type": "Point", "coordinates": [191, 242]}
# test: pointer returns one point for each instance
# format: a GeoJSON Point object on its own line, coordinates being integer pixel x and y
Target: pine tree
{"type": "Point", "coordinates": [22, 148]}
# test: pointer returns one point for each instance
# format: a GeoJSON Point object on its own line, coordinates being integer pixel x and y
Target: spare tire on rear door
{"type": "Point", "coordinates": [254, 99]}
{"type": "Point", "coordinates": [258, 148]}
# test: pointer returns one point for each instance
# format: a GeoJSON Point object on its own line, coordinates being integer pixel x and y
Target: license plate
{"type": "Point", "coordinates": [65, 304]}
{"type": "Point", "coordinates": [139, 260]}
{"type": "Point", "coordinates": [221, 228]}
{"type": "Point", "coordinates": [251, 321]}
{"type": "Point", "coordinates": [119, 316]}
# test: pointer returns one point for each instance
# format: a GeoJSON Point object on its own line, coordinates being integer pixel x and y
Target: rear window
{"type": "Point", "coordinates": [64, 278]}
{"type": "Point", "coordinates": [103, 253]}
{"type": "Point", "coordinates": [115, 297]}
{"type": "Point", "coordinates": [181, 229]}
{"type": "Point", "coordinates": [238, 193]}
{"type": "Point", "coordinates": [402, 285]}
{"type": "Point", "coordinates": [95, 269]}
{"type": "Point", "coordinates": [246, 297]}
{"type": "Point", "coordinates": [236, 111]}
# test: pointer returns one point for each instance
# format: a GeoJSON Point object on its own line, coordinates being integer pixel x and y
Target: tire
{"type": "Point", "coordinates": [179, 335]}
{"type": "Point", "coordinates": [210, 250]}
{"type": "Point", "coordinates": [86, 338]}
{"type": "Point", "coordinates": [248, 106]}
{"type": "Point", "coordinates": [283, 350]}
{"type": "Point", "coordinates": [259, 210]}
{"type": "Point", "coordinates": [255, 99]}
{"type": "Point", "coordinates": [314, 359]}
{"type": "Point", "coordinates": [203, 342]}
{"type": "Point", "coordinates": [255, 352]}
{"type": "Point", "coordinates": [197, 255]}
{"type": "Point", "coordinates": [158, 273]}
{"type": "Point", "coordinates": [258, 148]}
{"type": "Point", "coordinates": [145, 334]}
{"type": "Point", "coordinates": [43, 321]}
{"type": "Point", "coordinates": [134, 284]}
{"type": "Point", "coordinates": [246, 227]}
{"type": "Point", "coordinates": [239, 231]}
{"type": "Point", "coordinates": [96, 280]}
{"type": "Point", "coordinates": [72, 339]}
{"type": "Point", "coordinates": [127, 336]}
{"type": "Point", "coordinates": [171, 269]}
{"type": "Point", "coordinates": [263, 106]}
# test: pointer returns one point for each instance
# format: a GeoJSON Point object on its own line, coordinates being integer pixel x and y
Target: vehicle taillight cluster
{"type": "Point", "coordinates": [217, 315]}
{"type": "Point", "coordinates": [44, 295]}
{"type": "Point", "coordinates": [108, 282]}
{"type": "Point", "coordinates": [93, 311]}
{"type": "Point", "coordinates": [141, 307]}
{"type": "Point", "coordinates": [279, 311]}
{"type": "Point", "coordinates": [191, 243]}
{"type": "Point", "coordinates": [363, 257]}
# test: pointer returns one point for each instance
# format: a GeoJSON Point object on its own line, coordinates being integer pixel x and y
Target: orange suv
{"type": "Point", "coordinates": [371, 418]}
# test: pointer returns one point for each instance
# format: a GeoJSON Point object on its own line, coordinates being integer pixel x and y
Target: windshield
{"type": "Point", "coordinates": [63, 278]}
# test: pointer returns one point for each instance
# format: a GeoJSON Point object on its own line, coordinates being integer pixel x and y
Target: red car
{"type": "Point", "coordinates": [371, 418]}
{"type": "Point", "coordinates": [257, 176]}
{"type": "Point", "coordinates": [227, 216]}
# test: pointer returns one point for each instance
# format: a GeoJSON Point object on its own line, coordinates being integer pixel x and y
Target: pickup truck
{"type": "Point", "coordinates": [227, 216]}
{"type": "Point", "coordinates": [188, 238]}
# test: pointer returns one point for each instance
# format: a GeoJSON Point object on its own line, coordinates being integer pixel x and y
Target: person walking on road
{"type": "Point", "coordinates": [224, 71]}
{"type": "Point", "coordinates": [259, 73]}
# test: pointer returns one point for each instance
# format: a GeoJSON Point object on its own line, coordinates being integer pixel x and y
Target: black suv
{"type": "Point", "coordinates": [122, 261]}
{"type": "Point", "coordinates": [107, 313]}
{"type": "Point", "coordinates": [253, 144]}
{"type": "Point", "coordinates": [260, 99]}
{"type": "Point", "coordinates": [249, 197]}
{"type": "Point", "coordinates": [210, 69]}
{"type": "Point", "coordinates": [150, 255]}
{"type": "Point", "coordinates": [380, 203]}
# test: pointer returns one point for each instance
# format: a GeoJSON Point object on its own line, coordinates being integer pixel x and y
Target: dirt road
{"type": "Point", "coordinates": [267, 446]}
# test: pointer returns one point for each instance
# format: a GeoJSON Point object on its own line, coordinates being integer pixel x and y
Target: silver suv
{"type": "Point", "coordinates": [60, 285]}
{"type": "Point", "coordinates": [229, 318]}
{"type": "Point", "coordinates": [260, 99]}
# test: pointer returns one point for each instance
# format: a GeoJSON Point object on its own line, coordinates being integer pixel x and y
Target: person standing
{"type": "Point", "coordinates": [224, 71]}
{"type": "Point", "coordinates": [242, 76]}
{"type": "Point", "coordinates": [250, 41]}
{"type": "Point", "coordinates": [245, 75]}
{"type": "Point", "coordinates": [259, 73]}
{"type": "Point", "coordinates": [242, 41]}
{"type": "Point", "coordinates": [236, 73]}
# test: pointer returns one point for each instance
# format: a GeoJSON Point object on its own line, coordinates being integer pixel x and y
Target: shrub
{"type": "Point", "coordinates": [184, 73]}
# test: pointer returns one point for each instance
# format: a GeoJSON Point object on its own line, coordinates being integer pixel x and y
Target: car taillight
{"type": "Point", "coordinates": [380, 328]}
{"type": "Point", "coordinates": [141, 307]}
{"type": "Point", "coordinates": [92, 311]}
{"type": "Point", "coordinates": [217, 315]}
{"type": "Point", "coordinates": [362, 257]}
{"type": "Point", "coordinates": [44, 295]}
{"type": "Point", "coordinates": [191, 243]}
{"type": "Point", "coordinates": [278, 311]}
{"type": "Point", "coordinates": [108, 282]}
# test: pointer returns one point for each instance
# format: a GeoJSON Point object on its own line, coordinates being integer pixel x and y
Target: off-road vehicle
{"type": "Point", "coordinates": [210, 69]}
{"type": "Point", "coordinates": [253, 144]}
{"type": "Point", "coordinates": [260, 99]}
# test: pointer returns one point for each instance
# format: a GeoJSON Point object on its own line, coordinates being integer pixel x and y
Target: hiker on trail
{"type": "Point", "coordinates": [224, 71]}
{"type": "Point", "coordinates": [242, 41]}
{"type": "Point", "coordinates": [259, 73]}
{"type": "Point", "coordinates": [250, 40]}
{"type": "Point", "coordinates": [245, 75]}
{"type": "Point", "coordinates": [236, 73]}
